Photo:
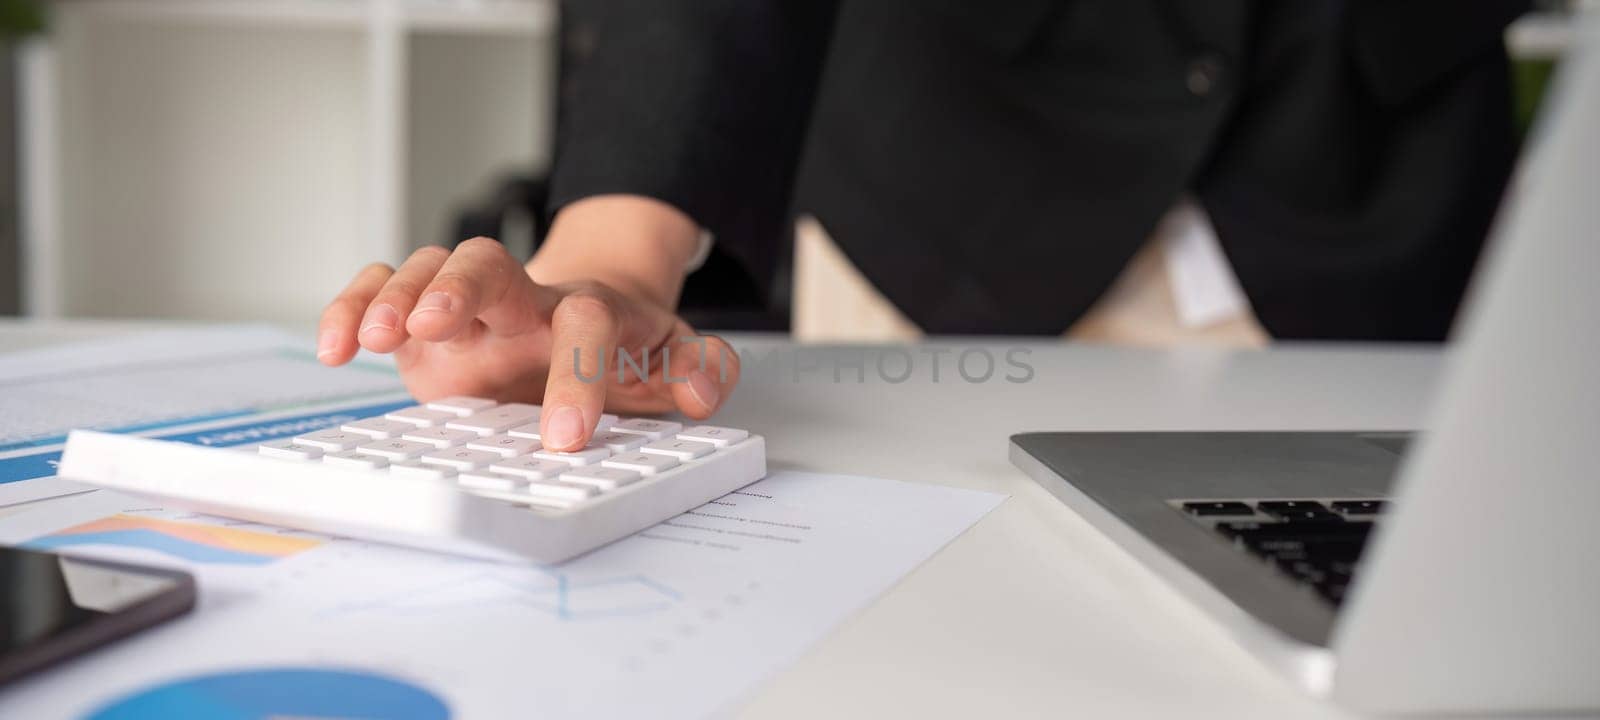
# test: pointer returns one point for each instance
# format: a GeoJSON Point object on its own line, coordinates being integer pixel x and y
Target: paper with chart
{"type": "Point", "coordinates": [680, 620]}
{"type": "Point", "coordinates": [215, 386]}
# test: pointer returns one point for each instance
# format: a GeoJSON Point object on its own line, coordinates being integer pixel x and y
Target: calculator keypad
{"type": "Point", "coordinates": [494, 450]}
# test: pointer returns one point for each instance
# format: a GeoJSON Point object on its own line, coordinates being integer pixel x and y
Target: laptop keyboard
{"type": "Point", "coordinates": [1314, 542]}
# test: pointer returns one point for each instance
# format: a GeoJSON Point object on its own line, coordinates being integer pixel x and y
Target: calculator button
{"type": "Point", "coordinates": [440, 438]}
{"type": "Point", "coordinates": [642, 462]}
{"type": "Point", "coordinates": [482, 427]}
{"type": "Point", "coordinates": [653, 429]}
{"type": "Point", "coordinates": [586, 456]}
{"type": "Point", "coordinates": [505, 445]}
{"type": "Point", "coordinates": [356, 460]}
{"type": "Point", "coordinates": [718, 436]}
{"type": "Point", "coordinates": [604, 479]}
{"type": "Point", "coordinates": [497, 419]}
{"type": "Point", "coordinates": [378, 428]}
{"type": "Point", "coordinates": [287, 450]}
{"type": "Point", "coordinates": [461, 458]}
{"type": "Point", "coordinates": [481, 480]}
{"type": "Point", "coordinates": [393, 450]}
{"type": "Point", "coordinates": [461, 405]}
{"type": "Point", "coordinates": [558, 490]}
{"type": "Point", "coordinates": [680, 449]}
{"type": "Point", "coordinates": [415, 469]}
{"type": "Point", "coordinates": [531, 468]}
{"type": "Point", "coordinates": [522, 410]}
{"type": "Point", "coordinates": [331, 440]}
{"type": "Point", "coordinates": [529, 431]}
{"type": "Point", "coordinates": [618, 442]}
{"type": "Point", "coordinates": [421, 417]}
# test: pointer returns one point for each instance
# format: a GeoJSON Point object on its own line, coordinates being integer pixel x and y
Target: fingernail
{"type": "Point", "coordinates": [382, 317]}
{"type": "Point", "coordinates": [327, 343]}
{"type": "Point", "coordinates": [563, 428]}
{"type": "Point", "coordinates": [433, 302]}
{"type": "Point", "coordinates": [704, 389]}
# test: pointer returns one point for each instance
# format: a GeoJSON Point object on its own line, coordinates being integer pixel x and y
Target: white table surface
{"type": "Point", "coordinates": [1032, 612]}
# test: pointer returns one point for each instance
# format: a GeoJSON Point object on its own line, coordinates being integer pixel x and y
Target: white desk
{"type": "Point", "coordinates": [1032, 612]}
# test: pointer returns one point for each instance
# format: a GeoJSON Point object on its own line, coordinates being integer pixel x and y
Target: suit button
{"type": "Point", "coordinates": [1203, 74]}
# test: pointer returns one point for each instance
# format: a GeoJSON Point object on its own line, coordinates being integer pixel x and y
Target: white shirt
{"type": "Point", "coordinates": [1204, 287]}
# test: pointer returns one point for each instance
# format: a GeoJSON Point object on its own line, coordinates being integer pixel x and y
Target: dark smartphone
{"type": "Point", "coordinates": [53, 607]}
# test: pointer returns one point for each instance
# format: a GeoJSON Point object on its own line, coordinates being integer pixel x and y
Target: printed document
{"type": "Point", "coordinates": [679, 621]}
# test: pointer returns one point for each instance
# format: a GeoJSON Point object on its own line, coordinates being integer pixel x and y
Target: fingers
{"type": "Point", "coordinates": [383, 327]}
{"type": "Point", "coordinates": [703, 369]}
{"type": "Point", "coordinates": [454, 297]}
{"type": "Point", "coordinates": [480, 280]}
{"type": "Point", "coordinates": [585, 326]}
{"type": "Point", "coordinates": [336, 333]}
{"type": "Point", "coordinates": [693, 374]}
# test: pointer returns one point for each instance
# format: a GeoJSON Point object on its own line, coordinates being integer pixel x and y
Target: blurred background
{"type": "Point", "coordinates": [238, 160]}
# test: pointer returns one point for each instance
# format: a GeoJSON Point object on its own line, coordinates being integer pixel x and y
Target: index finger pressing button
{"type": "Point", "coordinates": [505, 445]}
{"type": "Point", "coordinates": [586, 456]}
{"type": "Point", "coordinates": [531, 430]}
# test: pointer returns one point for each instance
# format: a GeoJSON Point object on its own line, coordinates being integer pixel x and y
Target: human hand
{"type": "Point", "coordinates": [473, 322]}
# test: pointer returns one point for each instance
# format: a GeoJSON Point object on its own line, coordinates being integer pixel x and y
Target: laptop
{"type": "Point", "coordinates": [1456, 570]}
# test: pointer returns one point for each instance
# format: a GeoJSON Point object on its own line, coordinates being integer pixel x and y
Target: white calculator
{"type": "Point", "coordinates": [461, 475]}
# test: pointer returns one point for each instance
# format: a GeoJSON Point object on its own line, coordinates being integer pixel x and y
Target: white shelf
{"type": "Point", "coordinates": [495, 17]}
{"type": "Point", "coordinates": [240, 159]}
{"type": "Point", "coordinates": [535, 17]}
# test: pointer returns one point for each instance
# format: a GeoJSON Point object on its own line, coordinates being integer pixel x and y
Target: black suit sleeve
{"type": "Point", "coordinates": [702, 104]}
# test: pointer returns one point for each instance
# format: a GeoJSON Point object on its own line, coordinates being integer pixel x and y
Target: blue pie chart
{"type": "Point", "coordinates": [277, 693]}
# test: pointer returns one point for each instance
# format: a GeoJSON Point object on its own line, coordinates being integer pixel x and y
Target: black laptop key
{"type": "Point", "coordinates": [1357, 507]}
{"type": "Point", "coordinates": [1324, 544]}
{"type": "Point", "coordinates": [1298, 511]}
{"type": "Point", "coordinates": [1234, 530]}
{"type": "Point", "coordinates": [1278, 547]}
{"type": "Point", "coordinates": [1317, 551]}
{"type": "Point", "coordinates": [1248, 531]}
{"type": "Point", "coordinates": [1307, 516]}
{"type": "Point", "coordinates": [1218, 508]}
{"type": "Point", "coordinates": [1277, 506]}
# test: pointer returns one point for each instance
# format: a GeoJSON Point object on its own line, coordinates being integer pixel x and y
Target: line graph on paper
{"type": "Point", "coordinates": [548, 591]}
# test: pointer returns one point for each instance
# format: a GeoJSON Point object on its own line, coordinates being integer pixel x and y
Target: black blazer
{"type": "Point", "coordinates": [992, 166]}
